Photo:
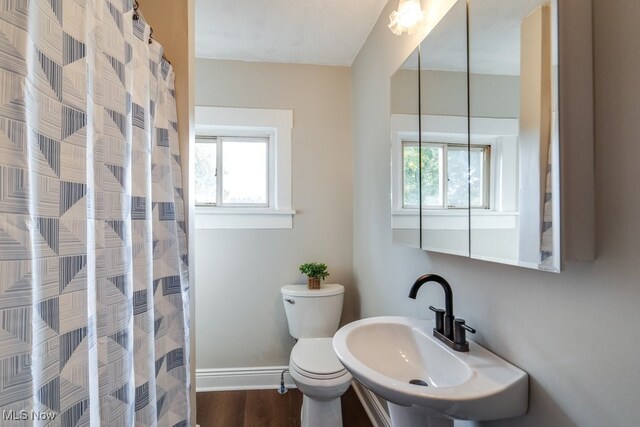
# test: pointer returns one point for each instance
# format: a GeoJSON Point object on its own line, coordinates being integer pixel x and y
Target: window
{"type": "Point", "coordinates": [232, 171]}
{"type": "Point", "coordinates": [440, 160]}
{"type": "Point", "coordinates": [242, 168]}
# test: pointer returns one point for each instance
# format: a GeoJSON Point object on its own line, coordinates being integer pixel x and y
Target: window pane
{"type": "Point", "coordinates": [205, 173]}
{"type": "Point", "coordinates": [458, 190]}
{"type": "Point", "coordinates": [477, 177]}
{"type": "Point", "coordinates": [411, 192]}
{"type": "Point", "coordinates": [245, 172]}
{"type": "Point", "coordinates": [431, 176]}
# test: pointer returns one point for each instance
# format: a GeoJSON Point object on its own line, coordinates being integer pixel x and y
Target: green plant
{"type": "Point", "coordinates": [314, 269]}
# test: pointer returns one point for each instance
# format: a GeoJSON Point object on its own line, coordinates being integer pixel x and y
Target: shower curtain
{"type": "Point", "coordinates": [93, 262]}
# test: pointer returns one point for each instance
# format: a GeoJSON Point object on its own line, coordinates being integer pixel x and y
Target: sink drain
{"type": "Point", "coordinates": [418, 382]}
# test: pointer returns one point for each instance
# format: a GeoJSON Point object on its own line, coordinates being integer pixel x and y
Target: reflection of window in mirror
{"type": "Point", "coordinates": [479, 175]}
{"type": "Point", "coordinates": [410, 175]}
{"type": "Point", "coordinates": [450, 160]}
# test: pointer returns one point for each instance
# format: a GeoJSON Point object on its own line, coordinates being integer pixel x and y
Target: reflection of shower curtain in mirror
{"type": "Point", "coordinates": [93, 275]}
{"type": "Point", "coordinates": [546, 240]}
{"type": "Point", "coordinates": [546, 244]}
{"type": "Point", "coordinates": [536, 132]}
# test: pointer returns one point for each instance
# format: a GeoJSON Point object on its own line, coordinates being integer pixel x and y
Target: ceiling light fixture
{"type": "Point", "coordinates": [407, 18]}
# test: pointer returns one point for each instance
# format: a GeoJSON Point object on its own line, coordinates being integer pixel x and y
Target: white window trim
{"type": "Point", "coordinates": [212, 121]}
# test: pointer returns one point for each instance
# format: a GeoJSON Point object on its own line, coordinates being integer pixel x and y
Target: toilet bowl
{"type": "Point", "coordinates": [322, 379]}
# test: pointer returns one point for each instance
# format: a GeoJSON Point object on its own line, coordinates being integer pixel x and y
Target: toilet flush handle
{"type": "Point", "coordinates": [289, 300]}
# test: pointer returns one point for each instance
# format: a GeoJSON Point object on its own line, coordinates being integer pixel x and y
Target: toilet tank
{"type": "Point", "coordinates": [313, 313]}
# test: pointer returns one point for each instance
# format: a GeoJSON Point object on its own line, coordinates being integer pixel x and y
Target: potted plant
{"type": "Point", "coordinates": [315, 272]}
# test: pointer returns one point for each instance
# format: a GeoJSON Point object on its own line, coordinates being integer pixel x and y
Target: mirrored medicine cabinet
{"type": "Point", "coordinates": [475, 136]}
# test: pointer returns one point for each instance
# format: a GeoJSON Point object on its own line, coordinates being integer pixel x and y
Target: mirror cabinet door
{"type": "Point", "coordinates": [514, 143]}
{"type": "Point", "coordinates": [444, 135]}
{"type": "Point", "coordinates": [405, 156]}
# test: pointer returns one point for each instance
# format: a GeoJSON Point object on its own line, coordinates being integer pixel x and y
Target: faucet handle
{"type": "Point", "coordinates": [468, 328]}
{"type": "Point", "coordinates": [459, 334]}
{"type": "Point", "coordinates": [439, 318]}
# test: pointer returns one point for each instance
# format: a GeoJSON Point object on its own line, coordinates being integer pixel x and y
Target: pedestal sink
{"type": "Point", "coordinates": [426, 382]}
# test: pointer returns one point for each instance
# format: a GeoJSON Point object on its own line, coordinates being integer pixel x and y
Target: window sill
{"type": "Point", "coordinates": [214, 218]}
{"type": "Point", "coordinates": [453, 219]}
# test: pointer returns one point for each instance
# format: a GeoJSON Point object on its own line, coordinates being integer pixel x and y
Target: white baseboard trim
{"type": "Point", "coordinates": [372, 406]}
{"type": "Point", "coordinates": [260, 378]}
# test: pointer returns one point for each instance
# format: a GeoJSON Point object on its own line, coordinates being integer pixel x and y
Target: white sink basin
{"type": "Point", "coordinates": [387, 353]}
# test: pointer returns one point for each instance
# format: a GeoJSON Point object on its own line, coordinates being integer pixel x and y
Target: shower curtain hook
{"type": "Point", "coordinates": [136, 6]}
{"type": "Point", "coordinates": [150, 35]}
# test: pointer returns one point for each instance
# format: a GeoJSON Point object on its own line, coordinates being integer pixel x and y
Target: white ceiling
{"type": "Point", "coordinates": [295, 31]}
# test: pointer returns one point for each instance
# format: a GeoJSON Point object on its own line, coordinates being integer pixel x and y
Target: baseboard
{"type": "Point", "coordinates": [373, 407]}
{"type": "Point", "coordinates": [261, 378]}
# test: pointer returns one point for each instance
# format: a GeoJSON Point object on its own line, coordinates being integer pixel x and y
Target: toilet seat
{"type": "Point", "coordinates": [314, 358]}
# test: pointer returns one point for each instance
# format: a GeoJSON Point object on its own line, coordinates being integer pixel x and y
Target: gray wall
{"type": "Point", "coordinates": [444, 93]}
{"type": "Point", "coordinates": [575, 333]}
{"type": "Point", "coordinates": [240, 317]}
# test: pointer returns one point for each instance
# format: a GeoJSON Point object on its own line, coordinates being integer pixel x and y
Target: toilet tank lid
{"type": "Point", "coordinates": [303, 291]}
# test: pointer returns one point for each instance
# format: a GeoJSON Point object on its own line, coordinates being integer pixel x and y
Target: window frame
{"type": "Point", "coordinates": [444, 175]}
{"type": "Point", "coordinates": [239, 136]}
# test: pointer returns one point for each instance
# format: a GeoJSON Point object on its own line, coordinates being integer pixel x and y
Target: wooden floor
{"type": "Point", "coordinates": [267, 408]}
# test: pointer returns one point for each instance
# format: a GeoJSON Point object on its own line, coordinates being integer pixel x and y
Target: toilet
{"type": "Point", "coordinates": [313, 317]}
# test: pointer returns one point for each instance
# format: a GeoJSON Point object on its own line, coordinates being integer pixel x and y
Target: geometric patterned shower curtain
{"type": "Point", "coordinates": [93, 262]}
